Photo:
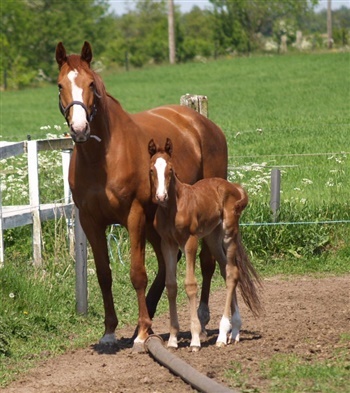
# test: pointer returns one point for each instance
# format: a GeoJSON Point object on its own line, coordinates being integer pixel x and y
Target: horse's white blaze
{"type": "Point", "coordinates": [161, 192]}
{"type": "Point", "coordinates": [78, 121]}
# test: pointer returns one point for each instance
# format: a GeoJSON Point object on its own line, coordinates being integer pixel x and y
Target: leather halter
{"type": "Point", "coordinates": [64, 110]}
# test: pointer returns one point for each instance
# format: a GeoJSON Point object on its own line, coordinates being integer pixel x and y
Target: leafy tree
{"type": "Point", "coordinates": [238, 22]}
{"type": "Point", "coordinates": [195, 34]}
{"type": "Point", "coordinates": [31, 29]}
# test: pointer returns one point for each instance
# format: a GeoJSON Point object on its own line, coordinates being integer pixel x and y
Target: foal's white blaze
{"type": "Point", "coordinates": [161, 192]}
{"type": "Point", "coordinates": [78, 120]}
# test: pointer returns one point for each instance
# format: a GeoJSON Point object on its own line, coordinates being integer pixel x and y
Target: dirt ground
{"type": "Point", "coordinates": [304, 316]}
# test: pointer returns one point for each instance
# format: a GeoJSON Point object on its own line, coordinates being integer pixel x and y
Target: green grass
{"type": "Point", "coordinates": [282, 112]}
{"type": "Point", "coordinates": [290, 373]}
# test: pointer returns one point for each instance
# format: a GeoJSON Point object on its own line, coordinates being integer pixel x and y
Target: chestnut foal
{"type": "Point", "coordinates": [209, 210]}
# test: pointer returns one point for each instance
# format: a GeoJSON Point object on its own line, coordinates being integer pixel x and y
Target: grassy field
{"type": "Point", "coordinates": [286, 112]}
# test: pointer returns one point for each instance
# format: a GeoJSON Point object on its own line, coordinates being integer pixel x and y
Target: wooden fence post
{"type": "Point", "coordinates": [196, 102]}
{"type": "Point", "coordinates": [275, 193]}
{"type": "Point", "coordinates": [33, 179]}
{"type": "Point", "coordinates": [66, 156]}
{"type": "Point", "coordinates": [2, 254]}
{"type": "Point", "coordinates": [80, 267]}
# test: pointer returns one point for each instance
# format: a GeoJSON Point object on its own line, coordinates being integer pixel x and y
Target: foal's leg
{"type": "Point", "coordinates": [170, 250]}
{"type": "Point", "coordinates": [191, 291]}
{"type": "Point", "coordinates": [232, 277]}
{"type": "Point", "coordinates": [236, 321]}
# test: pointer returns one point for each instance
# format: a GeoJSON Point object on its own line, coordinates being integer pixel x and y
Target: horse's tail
{"type": "Point", "coordinates": [249, 279]}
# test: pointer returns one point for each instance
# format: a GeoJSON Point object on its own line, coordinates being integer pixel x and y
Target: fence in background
{"type": "Point", "coordinates": [34, 213]}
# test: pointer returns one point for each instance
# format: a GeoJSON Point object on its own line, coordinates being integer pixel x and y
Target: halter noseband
{"type": "Point", "coordinates": [64, 110]}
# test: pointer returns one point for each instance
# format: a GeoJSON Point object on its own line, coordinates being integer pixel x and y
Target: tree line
{"type": "Point", "coordinates": [31, 29]}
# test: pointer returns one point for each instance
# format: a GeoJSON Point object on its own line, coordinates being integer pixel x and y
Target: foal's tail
{"type": "Point", "coordinates": [248, 280]}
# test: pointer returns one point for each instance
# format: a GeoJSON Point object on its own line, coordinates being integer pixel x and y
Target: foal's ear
{"type": "Point", "coordinates": [152, 148]}
{"type": "Point", "coordinates": [61, 55]}
{"type": "Point", "coordinates": [168, 146]}
{"type": "Point", "coordinates": [86, 52]}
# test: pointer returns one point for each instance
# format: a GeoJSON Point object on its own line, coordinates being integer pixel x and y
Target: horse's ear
{"type": "Point", "coordinates": [61, 55]}
{"type": "Point", "coordinates": [168, 147]}
{"type": "Point", "coordinates": [86, 52]}
{"type": "Point", "coordinates": [152, 148]}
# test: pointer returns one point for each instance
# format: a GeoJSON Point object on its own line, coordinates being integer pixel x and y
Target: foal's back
{"type": "Point", "coordinates": [209, 203]}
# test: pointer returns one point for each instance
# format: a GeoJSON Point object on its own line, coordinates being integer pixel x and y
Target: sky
{"type": "Point", "coordinates": [121, 6]}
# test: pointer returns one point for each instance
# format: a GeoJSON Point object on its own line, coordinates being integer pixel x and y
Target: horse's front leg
{"type": "Point", "coordinates": [97, 239]}
{"type": "Point", "coordinates": [191, 291]}
{"type": "Point", "coordinates": [138, 275]}
{"type": "Point", "coordinates": [170, 250]}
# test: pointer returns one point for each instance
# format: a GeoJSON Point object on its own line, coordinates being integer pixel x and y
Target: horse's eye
{"type": "Point", "coordinates": [92, 86]}
{"type": "Point", "coordinates": [60, 87]}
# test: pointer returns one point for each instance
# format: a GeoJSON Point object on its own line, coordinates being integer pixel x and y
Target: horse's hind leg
{"type": "Point", "coordinates": [232, 277]}
{"type": "Point", "coordinates": [207, 263]}
{"type": "Point", "coordinates": [155, 292]}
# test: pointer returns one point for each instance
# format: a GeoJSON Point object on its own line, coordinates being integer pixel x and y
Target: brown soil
{"type": "Point", "coordinates": [304, 316]}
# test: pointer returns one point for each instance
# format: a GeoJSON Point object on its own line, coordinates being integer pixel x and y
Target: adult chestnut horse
{"type": "Point", "coordinates": [109, 176]}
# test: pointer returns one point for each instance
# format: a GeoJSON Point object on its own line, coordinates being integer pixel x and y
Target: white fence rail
{"type": "Point", "coordinates": [34, 213]}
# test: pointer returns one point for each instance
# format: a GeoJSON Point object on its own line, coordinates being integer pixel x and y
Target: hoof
{"type": "Point", "coordinates": [203, 335]}
{"type": "Point", "coordinates": [172, 346]}
{"type": "Point", "coordinates": [220, 344]}
{"type": "Point", "coordinates": [109, 339]}
{"type": "Point", "coordinates": [138, 347]}
{"type": "Point", "coordinates": [195, 349]}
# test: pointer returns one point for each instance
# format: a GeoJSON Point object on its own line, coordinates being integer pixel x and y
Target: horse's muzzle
{"type": "Point", "coordinates": [80, 136]}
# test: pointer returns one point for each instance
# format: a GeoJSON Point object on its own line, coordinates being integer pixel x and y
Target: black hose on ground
{"type": "Point", "coordinates": [155, 346]}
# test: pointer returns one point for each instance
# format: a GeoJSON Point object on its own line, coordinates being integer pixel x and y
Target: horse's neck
{"type": "Point", "coordinates": [109, 119]}
{"type": "Point", "coordinates": [177, 191]}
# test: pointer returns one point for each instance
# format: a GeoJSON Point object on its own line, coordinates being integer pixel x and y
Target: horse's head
{"type": "Point", "coordinates": [161, 171]}
{"type": "Point", "coordinates": [77, 90]}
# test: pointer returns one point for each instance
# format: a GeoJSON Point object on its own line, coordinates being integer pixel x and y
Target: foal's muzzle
{"type": "Point", "coordinates": [162, 198]}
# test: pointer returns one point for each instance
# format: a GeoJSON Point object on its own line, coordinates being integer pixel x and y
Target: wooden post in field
{"type": "Point", "coordinates": [66, 155]}
{"type": "Point", "coordinates": [171, 32]}
{"type": "Point", "coordinates": [196, 102]}
{"type": "Point", "coordinates": [329, 24]}
{"type": "Point", "coordinates": [275, 193]}
{"type": "Point", "coordinates": [80, 267]}
{"type": "Point", "coordinates": [33, 179]}
{"type": "Point", "coordinates": [2, 254]}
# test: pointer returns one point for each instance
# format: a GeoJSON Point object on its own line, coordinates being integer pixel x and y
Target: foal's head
{"type": "Point", "coordinates": [78, 90]}
{"type": "Point", "coordinates": [161, 171]}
